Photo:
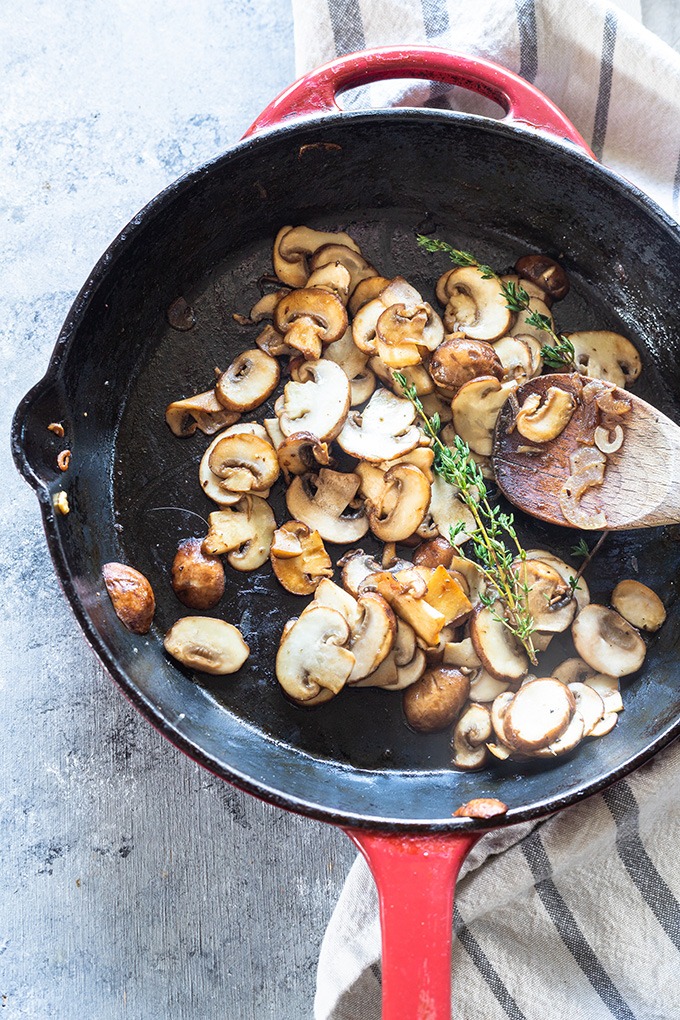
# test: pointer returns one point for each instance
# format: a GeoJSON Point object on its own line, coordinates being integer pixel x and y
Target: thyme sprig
{"type": "Point", "coordinates": [492, 528]}
{"type": "Point", "coordinates": [557, 355]}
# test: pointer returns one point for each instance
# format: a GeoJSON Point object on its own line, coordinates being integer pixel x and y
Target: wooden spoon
{"type": "Point", "coordinates": [641, 487]}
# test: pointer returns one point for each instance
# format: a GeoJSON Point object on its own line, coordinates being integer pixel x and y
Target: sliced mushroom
{"type": "Point", "coordinates": [601, 354]}
{"type": "Point", "coordinates": [433, 553]}
{"type": "Point", "coordinates": [531, 289]}
{"type": "Point", "coordinates": [312, 657]}
{"type": "Point", "coordinates": [500, 653]}
{"type": "Point", "coordinates": [402, 667]}
{"type": "Point", "coordinates": [545, 273]}
{"type": "Point", "coordinates": [244, 531]}
{"type": "Point", "coordinates": [272, 343]}
{"type": "Point", "coordinates": [398, 291]}
{"type": "Point", "coordinates": [472, 731]}
{"type": "Point", "coordinates": [197, 579]}
{"type": "Point", "coordinates": [209, 645]}
{"type": "Point", "coordinates": [345, 353]}
{"type": "Point", "coordinates": [299, 558]}
{"type": "Point", "coordinates": [426, 621]}
{"type": "Point", "coordinates": [573, 671]}
{"type": "Point", "coordinates": [403, 329]}
{"type": "Point", "coordinates": [486, 688]}
{"type": "Point", "coordinates": [446, 594]}
{"type": "Point", "coordinates": [213, 486]}
{"type": "Point", "coordinates": [384, 430]}
{"type": "Point", "coordinates": [366, 290]}
{"type": "Point", "coordinates": [131, 595]}
{"type": "Point", "coordinates": [294, 245]}
{"type": "Point", "coordinates": [372, 626]}
{"type": "Point", "coordinates": [456, 362]}
{"type": "Point", "coordinates": [541, 419]}
{"type": "Point", "coordinates": [523, 328]}
{"type": "Point", "coordinates": [334, 277]}
{"type": "Point", "coordinates": [462, 653]}
{"type": "Point", "coordinates": [401, 503]}
{"type": "Point", "coordinates": [317, 402]}
{"type": "Point", "coordinates": [567, 573]}
{"type": "Point", "coordinates": [607, 642]}
{"type": "Point", "coordinates": [300, 453]}
{"type": "Point", "coordinates": [605, 725]}
{"type": "Point", "coordinates": [567, 741]}
{"type": "Point", "coordinates": [266, 306]}
{"type": "Point", "coordinates": [248, 381]}
{"type": "Point", "coordinates": [203, 412]}
{"type": "Point", "coordinates": [357, 565]}
{"type": "Point", "coordinates": [549, 598]}
{"type": "Point", "coordinates": [321, 501]}
{"type": "Point", "coordinates": [639, 605]}
{"type": "Point", "coordinates": [476, 305]}
{"type": "Point", "coordinates": [537, 714]}
{"type": "Point", "coordinates": [244, 463]}
{"type": "Point", "coordinates": [436, 700]}
{"type": "Point", "coordinates": [589, 705]}
{"type": "Point", "coordinates": [349, 258]}
{"type": "Point", "coordinates": [448, 511]}
{"type": "Point", "coordinates": [475, 408]}
{"type": "Point", "coordinates": [310, 318]}
{"type": "Point", "coordinates": [609, 690]}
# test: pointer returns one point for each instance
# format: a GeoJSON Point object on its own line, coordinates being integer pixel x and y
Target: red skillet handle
{"type": "Point", "coordinates": [415, 877]}
{"type": "Point", "coordinates": [317, 92]}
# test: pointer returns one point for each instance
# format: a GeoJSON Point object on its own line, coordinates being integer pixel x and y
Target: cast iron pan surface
{"type": "Point", "coordinates": [494, 190]}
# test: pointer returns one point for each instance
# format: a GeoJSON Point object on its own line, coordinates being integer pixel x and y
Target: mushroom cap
{"type": "Point", "coordinates": [472, 731]}
{"type": "Point", "coordinates": [214, 487]}
{"type": "Point", "coordinates": [248, 381]}
{"type": "Point", "coordinates": [209, 645]}
{"type": "Point", "coordinates": [301, 452]}
{"type": "Point", "coordinates": [601, 354]}
{"type": "Point", "coordinates": [435, 701]}
{"type": "Point", "coordinates": [405, 328]}
{"type": "Point", "coordinates": [549, 599]}
{"type": "Point", "coordinates": [541, 419]}
{"type": "Point", "coordinates": [545, 273]}
{"type": "Point", "coordinates": [476, 407]}
{"type": "Point", "coordinates": [476, 305]}
{"type": "Point", "coordinates": [537, 714]}
{"type": "Point", "coordinates": [400, 505]}
{"type": "Point", "coordinates": [456, 362]}
{"type": "Point", "coordinates": [581, 592]}
{"type": "Point", "coordinates": [501, 654]}
{"type": "Point", "coordinates": [312, 656]}
{"type": "Point", "coordinates": [433, 553]}
{"type": "Point", "coordinates": [366, 290]}
{"type": "Point", "coordinates": [294, 245]}
{"type": "Point", "coordinates": [638, 604]}
{"type": "Point", "coordinates": [203, 412]}
{"type": "Point", "coordinates": [197, 580]}
{"type": "Point", "coordinates": [309, 318]}
{"type": "Point", "coordinates": [333, 277]}
{"type": "Point", "coordinates": [320, 501]}
{"type": "Point", "coordinates": [131, 595]}
{"type": "Point", "coordinates": [349, 258]}
{"type": "Point", "coordinates": [299, 559]}
{"type": "Point", "coordinates": [317, 402]}
{"type": "Point", "coordinates": [607, 642]}
{"type": "Point", "coordinates": [384, 430]}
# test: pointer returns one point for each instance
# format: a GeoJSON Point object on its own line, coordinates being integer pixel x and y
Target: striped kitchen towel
{"type": "Point", "coordinates": [578, 916]}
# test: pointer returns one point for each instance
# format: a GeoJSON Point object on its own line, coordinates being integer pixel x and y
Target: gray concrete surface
{"type": "Point", "coordinates": [134, 885]}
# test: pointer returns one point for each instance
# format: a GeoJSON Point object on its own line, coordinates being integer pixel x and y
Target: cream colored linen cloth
{"type": "Point", "coordinates": [578, 916]}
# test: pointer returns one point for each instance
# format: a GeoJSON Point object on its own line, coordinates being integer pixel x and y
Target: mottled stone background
{"type": "Point", "coordinates": [134, 885]}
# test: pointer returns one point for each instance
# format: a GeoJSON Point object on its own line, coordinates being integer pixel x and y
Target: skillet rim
{"type": "Point", "coordinates": [100, 272]}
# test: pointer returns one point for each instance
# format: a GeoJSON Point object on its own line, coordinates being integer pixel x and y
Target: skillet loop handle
{"type": "Point", "coordinates": [316, 93]}
{"type": "Point", "coordinates": [415, 877]}
{"type": "Point", "coordinates": [34, 446]}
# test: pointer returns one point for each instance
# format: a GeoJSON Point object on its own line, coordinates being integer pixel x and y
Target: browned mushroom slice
{"type": "Point", "coordinates": [350, 259]}
{"type": "Point", "coordinates": [446, 595]}
{"type": "Point", "coordinates": [357, 565]}
{"type": "Point", "coordinates": [403, 329]}
{"type": "Point", "coordinates": [333, 277]}
{"type": "Point", "coordinates": [317, 403]}
{"type": "Point", "coordinates": [361, 388]}
{"type": "Point", "coordinates": [531, 289]}
{"type": "Point", "coordinates": [299, 558]}
{"type": "Point", "coordinates": [537, 714]}
{"type": "Point", "coordinates": [197, 579]}
{"type": "Point", "coordinates": [433, 553]}
{"type": "Point", "coordinates": [589, 705]}
{"type": "Point", "coordinates": [398, 291]}
{"type": "Point", "coordinates": [448, 511]}
{"type": "Point", "coordinates": [345, 353]}
{"type": "Point", "coordinates": [607, 642]}
{"type": "Point", "coordinates": [456, 362]}
{"type": "Point", "coordinates": [541, 419]}
{"type": "Point", "coordinates": [271, 342]}
{"type": "Point", "coordinates": [266, 306]}
{"type": "Point", "coordinates": [472, 731]}
{"type": "Point", "coordinates": [294, 245]}
{"type": "Point", "coordinates": [567, 573]}
{"type": "Point", "coordinates": [573, 671]}
{"type": "Point", "coordinates": [476, 407]}
{"type": "Point", "coordinates": [209, 645]}
{"type": "Point", "coordinates": [567, 741]}
{"type": "Point", "coordinates": [609, 690]}
{"type": "Point", "coordinates": [523, 328]}
{"type": "Point", "coordinates": [545, 273]}
{"type": "Point", "coordinates": [366, 290]}
{"type": "Point", "coordinates": [312, 656]}
{"type": "Point", "coordinates": [601, 354]}
{"type": "Point", "coordinates": [203, 412]}
{"type": "Point", "coordinates": [244, 531]}
{"type": "Point", "coordinates": [300, 453]}
{"type": "Point", "coordinates": [426, 621]}
{"type": "Point", "coordinates": [400, 505]}
{"type": "Point", "coordinates": [385, 429]}
{"type": "Point", "coordinates": [639, 605]}
{"type": "Point", "coordinates": [500, 653]}
{"type": "Point", "coordinates": [244, 463]}
{"type": "Point", "coordinates": [371, 622]}
{"type": "Point", "coordinates": [486, 688]}
{"type": "Point", "coordinates": [248, 381]}
{"type": "Point", "coordinates": [214, 487]}
{"type": "Point", "coordinates": [310, 318]}
{"type": "Point", "coordinates": [549, 598]}
{"type": "Point", "coordinates": [476, 306]}
{"type": "Point", "coordinates": [321, 502]}
{"type": "Point", "coordinates": [131, 595]}
{"type": "Point", "coordinates": [403, 666]}
{"type": "Point", "coordinates": [435, 701]}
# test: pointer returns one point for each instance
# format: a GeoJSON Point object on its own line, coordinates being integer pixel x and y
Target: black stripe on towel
{"type": "Point", "coordinates": [528, 39]}
{"type": "Point", "coordinates": [485, 968]}
{"type": "Point", "coordinates": [656, 894]}
{"type": "Point", "coordinates": [569, 931]}
{"type": "Point", "coordinates": [676, 188]}
{"type": "Point", "coordinates": [605, 88]}
{"type": "Point", "coordinates": [435, 17]}
{"type": "Point", "coordinates": [348, 28]}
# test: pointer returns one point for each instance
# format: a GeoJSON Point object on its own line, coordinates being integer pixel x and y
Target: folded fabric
{"type": "Point", "coordinates": [579, 915]}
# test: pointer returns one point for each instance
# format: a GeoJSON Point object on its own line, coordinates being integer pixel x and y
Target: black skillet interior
{"type": "Point", "coordinates": [494, 190]}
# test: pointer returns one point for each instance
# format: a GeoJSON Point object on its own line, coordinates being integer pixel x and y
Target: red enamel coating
{"type": "Point", "coordinates": [317, 92]}
{"type": "Point", "coordinates": [415, 877]}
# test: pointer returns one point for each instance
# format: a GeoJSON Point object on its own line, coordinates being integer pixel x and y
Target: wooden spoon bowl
{"type": "Point", "coordinates": [641, 486]}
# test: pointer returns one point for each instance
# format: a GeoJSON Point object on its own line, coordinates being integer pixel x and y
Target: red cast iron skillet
{"type": "Point", "coordinates": [526, 183]}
